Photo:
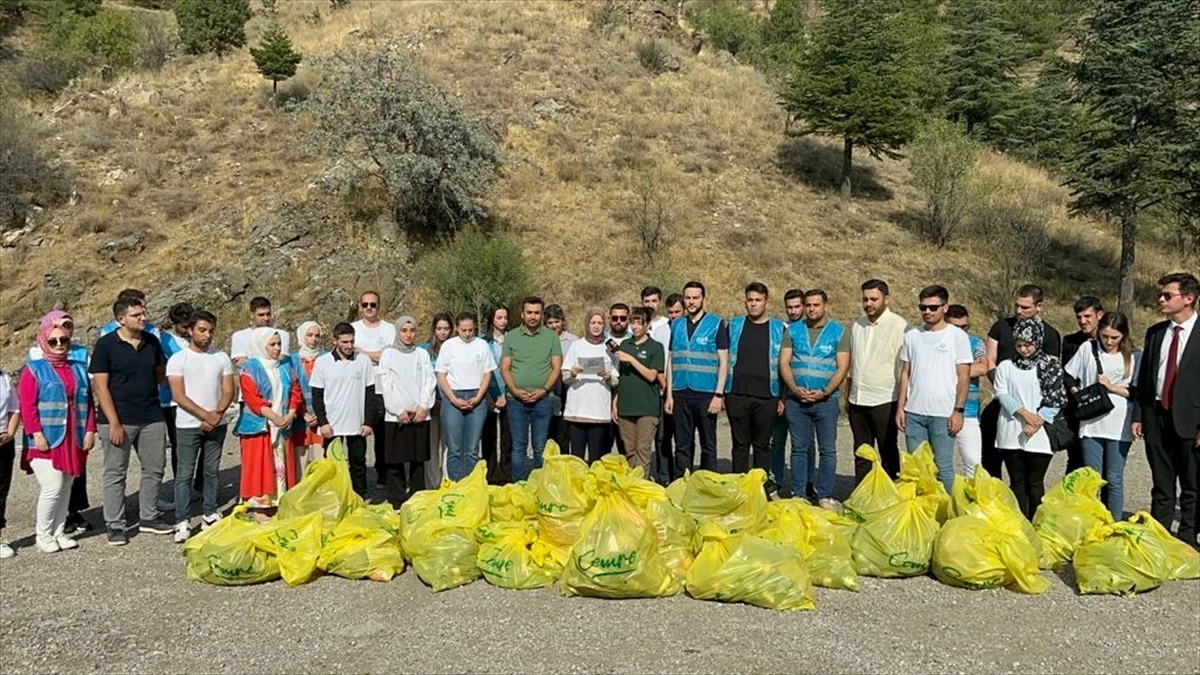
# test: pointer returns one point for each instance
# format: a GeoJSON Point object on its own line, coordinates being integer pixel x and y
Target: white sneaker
{"type": "Point", "coordinates": [209, 519]}
{"type": "Point", "coordinates": [831, 505]}
{"type": "Point", "coordinates": [65, 543]}
{"type": "Point", "coordinates": [48, 546]}
{"type": "Point", "coordinates": [182, 532]}
{"type": "Point", "coordinates": [6, 551]}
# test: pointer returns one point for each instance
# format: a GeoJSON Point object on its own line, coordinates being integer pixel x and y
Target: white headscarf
{"type": "Point", "coordinates": [259, 338]}
{"type": "Point", "coordinates": [304, 351]}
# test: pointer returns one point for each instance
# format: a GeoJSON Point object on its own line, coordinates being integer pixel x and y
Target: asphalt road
{"type": "Point", "coordinates": [131, 609]}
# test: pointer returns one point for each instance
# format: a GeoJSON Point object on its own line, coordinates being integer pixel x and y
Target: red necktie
{"type": "Point", "coordinates": [1172, 366]}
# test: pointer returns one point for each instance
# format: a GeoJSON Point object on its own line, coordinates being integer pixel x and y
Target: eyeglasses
{"type": "Point", "coordinates": [368, 305]}
{"type": "Point", "coordinates": [1165, 295]}
{"type": "Point", "coordinates": [58, 341]}
{"type": "Point", "coordinates": [622, 319]}
{"type": "Point", "coordinates": [929, 308]}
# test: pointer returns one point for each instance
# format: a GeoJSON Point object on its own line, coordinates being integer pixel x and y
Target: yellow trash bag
{"type": "Point", "coordinates": [616, 555]}
{"type": "Point", "coordinates": [817, 534]}
{"type": "Point", "coordinates": [563, 499]}
{"type": "Point", "coordinates": [1131, 557]}
{"type": "Point", "coordinates": [512, 502]}
{"type": "Point", "coordinates": [325, 488]}
{"type": "Point", "coordinates": [676, 530]}
{"type": "Point", "coordinates": [897, 541]}
{"type": "Point", "coordinates": [1068, 512]}
{"type": "Point", "coordinates": [505, 558]}
{"type": "Point", "coordinates": [736, 502]}
{"type": "Point", "coordinates": [438, 530]}
{"type": "Point", "coordinates": [226, 555]}
{"type": "Point", "coordinates": [296, 544]}
{"type": "Point", "coordinates": [751, 569]}
{"type": "Point", "coordinates": [1182, 561]}
{"type": "Point", "coordinates": [920, 468]}
{"type": "Point", "coordinates": [964, 492]}
{"type": "Point", "coordinates": [365, 545]}
{"type": "Point", "coordinates": [876, 492]}
{"type": "Point", "coordinates": [976, 553]}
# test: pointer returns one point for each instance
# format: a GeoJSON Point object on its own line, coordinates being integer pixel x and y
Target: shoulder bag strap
{"type": "Point", "coordinates": [1096, 355]}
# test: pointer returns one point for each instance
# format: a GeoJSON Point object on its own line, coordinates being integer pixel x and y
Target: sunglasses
{"type": "Point", "coordinates": [58, 341]}
{"type": "Point", "coordinates": [618, 318]}
{"type": "Point", "coordinates": [1168, 296]}
{"type": "Point", "coordinates": [368, 305]}
{"type": "Point", "coordinates": [929, 308]}
{"type": "Point", "coordinates": [65, 323]}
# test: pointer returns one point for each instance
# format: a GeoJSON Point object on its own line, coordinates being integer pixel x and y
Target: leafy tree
{"type": "Point", "coordinates": [729, 27]}
{"type": "Point", "coordinates": [861, 78]}
{"type": "Point", "coordinates": [436, 163]}
{"type": "Point", "coordinates": [942, 163]}
{"type": "Point", "coordinates": [981, 65]}
{"type": "Point", "coordinates": [1138, 78]}
{"type": "Point", "coordinates": [781, 44]}
{"type": "Point", "coordinates": [275, 58]}
{"type": "Point", "coordinates": [215, 26]}
{"type": "Point", "coordinates": [111, 39]}
{"type": "Point", "coordinates": [1043, 123]}
{"type": "Point", "coordinates": [477, 270]}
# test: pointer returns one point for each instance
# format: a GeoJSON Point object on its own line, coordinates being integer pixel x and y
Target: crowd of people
{"type": "Point", "coordinates": [648, 381]}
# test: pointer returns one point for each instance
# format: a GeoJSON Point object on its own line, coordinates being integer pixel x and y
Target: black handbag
{"type": "Point", "coordinates": [1059, 432]}
{"type": "Point", "coordinates": [1093, 400]}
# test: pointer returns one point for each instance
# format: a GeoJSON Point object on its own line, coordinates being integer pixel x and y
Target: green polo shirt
{"type": "Point", "coordinates": [530, 354]}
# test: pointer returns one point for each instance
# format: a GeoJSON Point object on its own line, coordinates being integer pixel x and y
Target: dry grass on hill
{"type": "Point", "coordinates": [204, 152]}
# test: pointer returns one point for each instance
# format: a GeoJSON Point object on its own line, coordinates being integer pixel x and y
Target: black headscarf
{"type": "Point", "coordinates": [1049, 371]}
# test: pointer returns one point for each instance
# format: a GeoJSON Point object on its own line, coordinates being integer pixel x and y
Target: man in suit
{"type": "Point", "coordinates": [1167, 404]}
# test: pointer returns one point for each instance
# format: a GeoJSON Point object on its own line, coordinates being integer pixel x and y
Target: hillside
{"type": "Point", "coordinates": [191, 186]}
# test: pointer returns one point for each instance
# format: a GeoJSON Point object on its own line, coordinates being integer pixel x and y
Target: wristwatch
{"type": "Point", "coordinates": [718, 395]}
{"type": "Point", "coordinates": [960, 410]}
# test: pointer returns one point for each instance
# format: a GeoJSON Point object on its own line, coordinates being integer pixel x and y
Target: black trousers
{"type": "Point", "coordinates": [374, 415]}
{"type": "Point", "coordinates": [403, 479]}
{"type": "Point", "coordinates": [664, 452]}
{"type": "Point", "coordinates": [875, 425]}
{"type": "Point", "coordinates": [751, 421]}
{"type": "Point", "coordinates": [590, 441]}
{"type": "Point", "coordinates": [497, 447]}
{"type": "Point", "coordinates": [1174, 465]}
{"type": "Point", "coordinates": [560, 432]}
{"type": "Point", "coordinates": [79, 497]}
{"type": "Point", "coordinates": [1027, 476]}
{"type": "Point", "coordinates": [356, 456]}
{"type": "Point", "coordinates": [8, 454]}
{"type": "Point", "coordinates": [991, 458]}
{"type": "Point", "coordinates": [614, 435]}
{"type": "Point", "coordinates": [692, 416]}
{"type": "Point", "coordinates": [1075, 447]}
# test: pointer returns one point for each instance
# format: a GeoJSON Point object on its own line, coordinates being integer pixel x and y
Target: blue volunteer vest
{"type": "Point", "coordinates": [248, 423]}
{"type": "Point", "coordinates": [52, 403]}
{"type": "Point", "coordinates": [78, 353]}
{"type": "Point", "coordinates": [694, 360]}
{"type": "Point", "coordinates": [736, 325]}
{"type": "Point", "coordinates": [497, 388]}
{"type": "Point", "coordinates": [973, 393]}
{"type": "Point", "coordinates": [170, 348]}
{"type": "Point", "coordinates": [813, 365]}
{"type": "Point", "coordinates": [437, 389]}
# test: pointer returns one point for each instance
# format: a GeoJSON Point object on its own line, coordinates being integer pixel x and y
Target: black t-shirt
{"type": "Point", "coordinates": [1002, 333]}
{"type": "Point", "coordinates": [752, 372]}
{"type": "Point", "coordinates": [1071, 345]}
{"type": "Point", "coordinates": [132, 377]}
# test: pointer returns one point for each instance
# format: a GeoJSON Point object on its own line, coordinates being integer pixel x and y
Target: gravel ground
{"type": "Point", "coordinates": [131, 609]}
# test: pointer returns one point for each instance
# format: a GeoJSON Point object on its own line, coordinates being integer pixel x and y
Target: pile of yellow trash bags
{"type": "Point", "coordinates": [605, 531]}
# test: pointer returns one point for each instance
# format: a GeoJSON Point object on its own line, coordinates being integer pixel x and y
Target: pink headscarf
{"type": "Point", "coordinates": [45, 328]}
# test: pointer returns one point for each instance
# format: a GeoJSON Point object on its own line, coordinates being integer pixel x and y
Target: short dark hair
{"type": "Point", "coordinates": [532, 300]}
{"type": "Point", "coordinates": [132, 294]}
{"type": "Point", "coordinates": [639, 314]}
{"type": "Point", "coordinates": [793, 293]}
{"type": "Point", "coordinates": [466, 316]}
{"type": "Point", "coordinates": [378, 298]}
{"type": "Point", "coordinates": [554, 312]}
{"type": "Point", "coordinates": [1088, 302]}
{"type": "Point", "coordinates": [672, 300]}
{"type": "Point", "coordinates": [342, 328]}
{"type": "Point", "coordinates": [259, 302]}
{"type": "Point", "coordinates": [205, 316]}
{"type": "Point", "coordinates": [182, 314]}
{"type": "Point", "coordinates": [1188, 284]}
{"type": "Point", "coordinates": [934, 291]}
{"type": "Point", "coordinates": [757, 287]}
{"type": "Point", "coordinates": [1032, 291]}
{"type": "Point", "coordinates": [651, 290]}
{"type": "Point", "coordinates": [618, 305]}
{"type": "Point", "coordinates": [876, 285]}
{"type": "Point", "coordinates": [124, 304]}
{"type": "Point", "coordinates": [818, 292]}
{"type": "Point", "coordinates": [957, 312]}
{"type": "Point", "coordinates": [696, 284]}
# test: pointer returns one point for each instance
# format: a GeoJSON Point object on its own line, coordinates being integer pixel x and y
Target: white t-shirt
{"type": "Point", "coordinates": [239, 344]}
{"type": "Point", "coordinates": [932, 357]}
{"type": "Point", "coordinates": [1022, 385]}
{"type": "Point", "coordinates": [1116, 425]}
{"type": "Point", "coordinates": [374, 339]}
{"type": "Point", "coordinates": [1188, 327]}
{"type": "Point", "coordinates": [202, 376]}
{"type": "Point", "coordinates": [465, 362]}
{"type": "Point", "coordinates": [660, 332]}
{"type": "Point", "coordinates": [9, 404]}
{"type": "Point", "coordinates": [405, 381]}
{"type": "Point", "coordinates": [344, 382]}
{"type": "Point", "coordinates": [589, 398]}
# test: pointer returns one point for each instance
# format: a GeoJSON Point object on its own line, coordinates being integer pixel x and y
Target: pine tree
{"type": "Point", "coordinates": [980, 66]}
{"type": "Point", "coordinates": [215, 26]}
{"type": "Point", "coordinates": [861, 78]}
{"type": "Point", "coordinates": [782, 40]}
{"type": "Point", "coordinates": [1138, 78]}
{"type": "Point", "coordinates": [275, 58]}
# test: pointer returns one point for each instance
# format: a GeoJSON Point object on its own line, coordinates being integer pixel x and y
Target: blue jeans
{"type": "Point", "coordinates": [921, 428]}
{"type": "Point", "coordinates": [527, 421]}
{"type": "Point", "coordinates": [805, 420]}
{"type": "Point", "coordinates": [1107, 457]}
{"type": "Point", "coordinates": [460, 432]}
{"type": "Point", "coordinates": [192, 445]}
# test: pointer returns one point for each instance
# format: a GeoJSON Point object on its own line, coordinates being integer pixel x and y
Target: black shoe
{"type": "Point", "coordinates": [117, 537]}
{"type": "Point", "coordinates": [156, 526]}
{"type": "Point", "coordinates": [76, 524]}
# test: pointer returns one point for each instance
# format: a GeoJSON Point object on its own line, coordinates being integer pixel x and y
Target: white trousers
{"type": "Point", "coordinates": [969, 446]}
{"type": "Point", "coordinates": [53, 499]}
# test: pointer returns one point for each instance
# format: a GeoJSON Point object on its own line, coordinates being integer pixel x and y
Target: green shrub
{"type": "Point", "coordinates": [476, 270]}
{"type": "Point", "coordinates": [604, 17]}
{"type": "Point", "coordinates": [215, 26]}
{"type": "Point", "coordinates": [729, 27]}
{"type": "Point", "coordinates": [27, 178]}
{"type": "Point", "coordinates": [45, 72]}
{"type": "Point", "coordinates": [110, 39]}
{"type": "Point", "coordinates": [942, 164]}
{"type": "Point", "coordinates": [653, 56]}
